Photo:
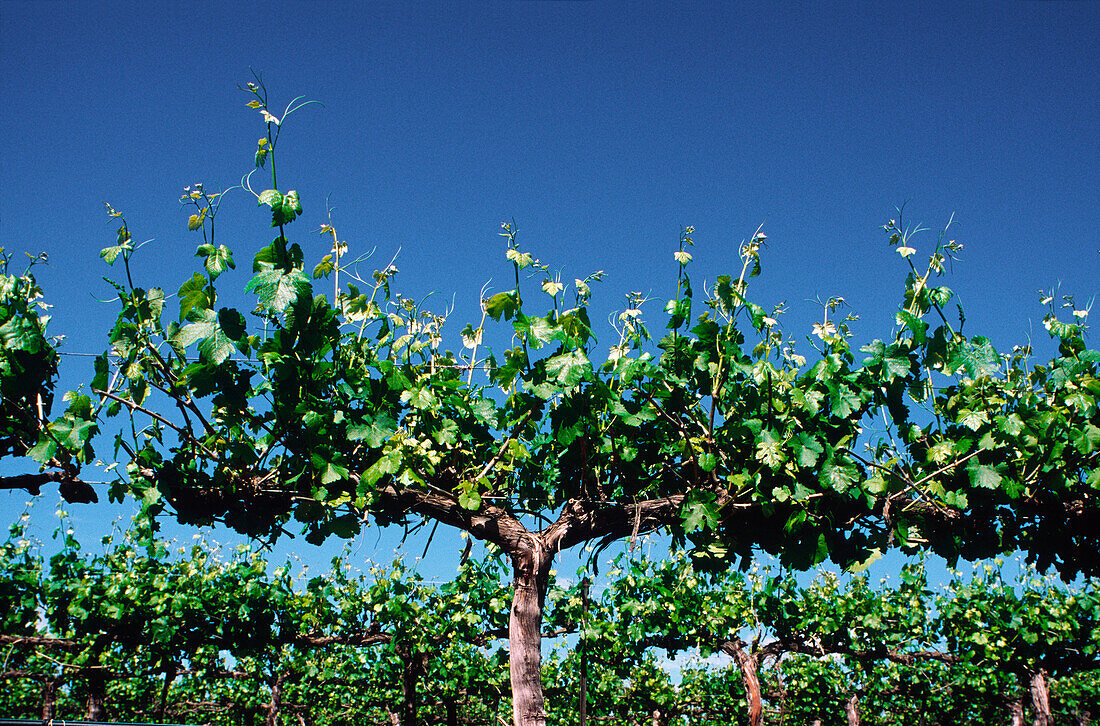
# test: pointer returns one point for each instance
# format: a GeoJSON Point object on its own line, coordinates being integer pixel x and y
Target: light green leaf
{"type": "Point", "coordinates": [110, 254]}
{"type": "Point", "coordinates": [838, 476]}
{"type": "Point", "coordinates": [521, 259]}
{"type": "Point", "coordinates": [975, 357]}
{"type": "Point", "coordinates": [206, 330]}
{"type": "Point", "coordinates": [277, 289]}
{"type": "Point", "coordinates": [973, 420]}
{"type": "Point", "coordinates": [217, 261]}
{"type": "Point", "coordinates": [421, 398]}
{"type": "Point", "coordinates": [769, 449]}
{"type": "Point", "coordinates": [569, 369]}
{"type": "Point", "coordinates": [984, 476]}
{"type": "Point", "coordinates": [271, 198]}
{"type": "Point", "coordinates": [375, 431]}
{"type": "Point", "coordinates": [470, 501]}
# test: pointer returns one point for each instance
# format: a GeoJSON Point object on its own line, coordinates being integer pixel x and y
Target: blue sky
{"type": "Point", "coordinates": [602, 128]}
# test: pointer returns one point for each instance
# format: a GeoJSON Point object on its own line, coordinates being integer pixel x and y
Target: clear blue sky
{"type": "Point", "coordinates": [601, 127]}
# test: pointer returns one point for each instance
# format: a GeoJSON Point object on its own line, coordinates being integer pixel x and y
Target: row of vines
{"type": "Point", "coordinates": [144, 631]}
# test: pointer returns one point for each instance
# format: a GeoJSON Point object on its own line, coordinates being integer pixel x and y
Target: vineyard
{"type": "Point", "coordinates": [334, 403]}
{"type": "Point", "coordinates": [145, 633]}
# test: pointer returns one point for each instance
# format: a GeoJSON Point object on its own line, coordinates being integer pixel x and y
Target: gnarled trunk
{"type": "Point", "coordinates": [452, 711]}
{"type": "Point", "coordinates": [1016, 711]}
{"type": "Point", "coordinates": [415, 664]}
{"type": "Point", "coordinates": [95, 707]}
{"type": "Point", "coordinates": [749, 677]}
{"type": "Point", "coordinates": [49, 699]}
{"type": "Point", "coordinates": [851, 710]}
{"type": "Point", "coordinates": [273, 708]}
{"type": "Point", "coordinates": [170, 674]}
{"type": "Point", "coordinates": [531, 567]}
{"type": "Point", "coordinates": [1040, 699]}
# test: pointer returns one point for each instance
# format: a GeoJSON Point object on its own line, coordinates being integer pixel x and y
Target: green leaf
{"type": "Point", "coordinates": [894, 363]}
{"type": "Point", "coordinates": [345, 526]}
{"type": "Point", "coordinates": [232, 323]}
{"type": "Point", "coordinates": [217, 261]}
{"type": "Point", "coordinates": [844, 400]}
{"type": "Point", "coordinates": [984, 476]}
{"type": "Point", "coordinates": [569, 369]}
{"type": "Point", "coordinates": [44, 450]}
{"type": "Point", "coordinates": [194, 294]}
{"type": "Point", "coordinates": [915, 325]}
{"type": "Point", "coordinates": [1012, 424]}
{"type": "Point", "coordinates": [21, 333]}
{"type": "Point", "coordinates": [286, 210]}
{"type": "Point", "coordinates": [102, 372]}
{"type": "Point", "coordinates": [470, 500]}
{"type": "Point", "coordinates": [277, 289]}
{"type": "Point", "coordinates": [206, 330]}
{"type": "Point", "coordinates": [536, 331]}
{"type": "Point", "coordinates": [757, 313]}
{"type": "Point", "coordinates": [678, 311]}
{"type": "Point", "coordinates": [503, 304]}
{"type": "Point", "coordinates": [940, 295]}
{"type": "Point", "coordinates": [271, 198]}
{"type": "Point", "coordinates": [484, 410]}
{"type": "Point", "coordinates": [324, 268]}
{"type": "Point", "coordinates": [375, 431]}
{"type": "Point", "coordinates": [330, 471]}
{"type": "Point", "coordinates": [279, 256]}
{"type": "Point", "coordinates": [1087, 440]}
{"type": "Point", "coordinates": [808, 450]}
{"type": "Point", "coordinates": [700, 512]}
{"type": "Point", "coordinates": [976, 357]}
{"type": "Point", "coordinates": [838, 476]}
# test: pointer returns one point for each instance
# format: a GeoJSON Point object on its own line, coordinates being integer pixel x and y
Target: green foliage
{"type": "Point", "coordinates": [28, 361]}
{"type": "Point", "coordinates": [909, 654]}
{"type": "Point", "coordinates": [191, 625]}
{"type": "Point", "coordinates": [160, 631]}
